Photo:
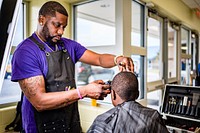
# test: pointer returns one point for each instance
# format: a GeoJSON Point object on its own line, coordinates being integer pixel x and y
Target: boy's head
{"type": "Point", "coordinates": [124, 88]}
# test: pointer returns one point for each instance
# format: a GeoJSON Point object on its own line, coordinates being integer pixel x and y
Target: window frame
{"type": "Point", "coordinates": [13, 99]}
{"type": "Point", "coordinates": [176, 28]}
{"type": "Point", "coordinates": [123, 33]}
{"type": "Point", "coordinates": [8, 45]}
{"type": "Point", "coordinates": [158, 84]}
{"type": "Point", "coordinates": [140, 50]}
{"type": "Point", "coordinates": [188, 55]}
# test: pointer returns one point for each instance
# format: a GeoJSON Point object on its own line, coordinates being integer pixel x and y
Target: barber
{"type": "Point", "coordinates": [44, 66]}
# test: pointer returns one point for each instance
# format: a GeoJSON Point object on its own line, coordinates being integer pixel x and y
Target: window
{"type": "Point", "coordinates": [154, 50]}
{"type": "Point", "coordinates": [138, 45]}
{"type": "Point", "coordinates": [155, 68]}
{"type": "Point", "coordinates": [137, 34]}
{"type": "Point", "coordinates": [184, 41]}
{"type": "Point", "coordinates": [95, 29]}
{"type": "Point", "coordinates": [95, 23]}
{"type": "Point", "coordinates": [183, 71]}
{"type": "Point", "coordinates": [185, 56]}
{"type": "Point", "coordinates": [154, 99]}
{"type": "Point", "coordinates": [194, 59]}
{"type": "Point", "coordinates": [172, 52]}
{"type": "Point", "coordinates": [139, 71]}
{"type": "Point", "coordinates": [10, 91]}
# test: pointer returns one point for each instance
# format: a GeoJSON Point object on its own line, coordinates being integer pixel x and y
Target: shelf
{"type": "Point", "coordinates": [178, 129]}
{"type": "Point", "coordinates": [181, 117]}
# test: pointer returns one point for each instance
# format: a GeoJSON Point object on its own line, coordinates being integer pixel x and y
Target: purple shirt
{"type": "Point", "coordinates": [28, 61]}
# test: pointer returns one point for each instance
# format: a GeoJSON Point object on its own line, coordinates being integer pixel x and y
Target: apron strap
{"type": "Point", "coordinates": [41, 46]}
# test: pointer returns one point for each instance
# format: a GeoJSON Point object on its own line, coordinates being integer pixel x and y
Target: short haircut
{"type": "Point", "coordinates": [125, 84]}
{"type": "Point", "coordinates": [51, 7]}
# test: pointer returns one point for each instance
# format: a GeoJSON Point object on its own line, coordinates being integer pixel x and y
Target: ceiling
{"type": "Point", "coordinates": [193, 4]}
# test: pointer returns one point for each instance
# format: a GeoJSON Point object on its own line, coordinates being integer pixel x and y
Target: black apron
{"type": "Point", "coordinates": [61, 71]}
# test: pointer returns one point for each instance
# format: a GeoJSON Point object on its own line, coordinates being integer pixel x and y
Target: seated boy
{"type": "Point", "coordinates": [128, 116]}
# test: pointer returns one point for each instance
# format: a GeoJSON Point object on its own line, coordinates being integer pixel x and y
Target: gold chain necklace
{"type": "Point", "coordinates": [56, 46]}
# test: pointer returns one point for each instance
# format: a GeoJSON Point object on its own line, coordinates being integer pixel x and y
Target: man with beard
{"type": "Point", "coordinates": [128, 116]}
{"type": "Point", "coordinates": [44, 66]}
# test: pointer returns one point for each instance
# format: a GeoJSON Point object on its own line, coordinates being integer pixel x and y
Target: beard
{"type": "Point", "coordinates": [49, 38]}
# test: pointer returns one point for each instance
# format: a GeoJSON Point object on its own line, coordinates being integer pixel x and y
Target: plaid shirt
{"type": "Point", "coordinates": [129, 117]}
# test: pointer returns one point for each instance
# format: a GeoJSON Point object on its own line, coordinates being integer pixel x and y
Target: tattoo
{"type": "Point", "coordinates": [30, 85]}
{"type": "Point", "coordinates": [64, 104]}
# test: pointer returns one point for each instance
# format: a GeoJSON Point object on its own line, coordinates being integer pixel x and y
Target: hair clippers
{"type": "Point", "coordinates": [108, 83]}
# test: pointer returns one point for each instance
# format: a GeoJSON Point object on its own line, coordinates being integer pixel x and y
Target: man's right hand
{"type": "Point", "coordinates": [97, 90]}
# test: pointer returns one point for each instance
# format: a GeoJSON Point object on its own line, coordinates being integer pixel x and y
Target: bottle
{"type": "Point", "coordinates": [94, 102]}
{"type": "Point", "coordinates": [184, 107]}
{"type": "Point", "coordinates": [188, 107]}
{"type": "Point", "coordinates": [180, 106]}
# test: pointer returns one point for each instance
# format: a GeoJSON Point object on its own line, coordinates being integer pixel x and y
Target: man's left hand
{"type": "Point", "coordinates": [125, 64]}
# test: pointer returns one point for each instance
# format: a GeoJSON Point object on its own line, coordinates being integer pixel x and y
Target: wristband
{"type": "Point", "coordinates": [79, 94]}
{"type": "Point", "coordinates": [115, 59]}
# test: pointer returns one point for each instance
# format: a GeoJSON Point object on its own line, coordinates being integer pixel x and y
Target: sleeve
{"type": "Point", "coordinates": [157, 125]}
{"type": "Point", "coordinates": [95, 128]}
{"type": "Point", "coordinates": [100, 126]}
{"type": "Point", "coordinates": [80, 51]}
{"type": "Point", "coordinates": [92, 128]}
{"type": "Point", "coordinates": [75, 49]}
{"type": "Point", "coordinates": [25, 64]}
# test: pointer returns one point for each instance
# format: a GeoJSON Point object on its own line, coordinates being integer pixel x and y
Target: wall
{"type": "Point", "coordinates": [177, 11]}
{"type": "Point", "coordinates": [88, 113]}
{"type": "Point", "coordinates": [7, 115]}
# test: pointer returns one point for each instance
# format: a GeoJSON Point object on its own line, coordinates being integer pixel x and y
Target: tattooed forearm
{"type": "Point", "coordinates": [66, 103]}
{"type": "Point", "coordinates": [30, 85]}
{"type": "Point", "coordinates": [34, 90]}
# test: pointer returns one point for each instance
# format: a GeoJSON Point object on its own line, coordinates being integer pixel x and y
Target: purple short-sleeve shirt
{"type": "Point", "coordinates": [28, 61]}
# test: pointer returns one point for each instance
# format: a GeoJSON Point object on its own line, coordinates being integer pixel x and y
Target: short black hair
{"type": "Point", "coordinates": [125, 84]}
{"type": "Point", "coordinates": [51, 7]}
